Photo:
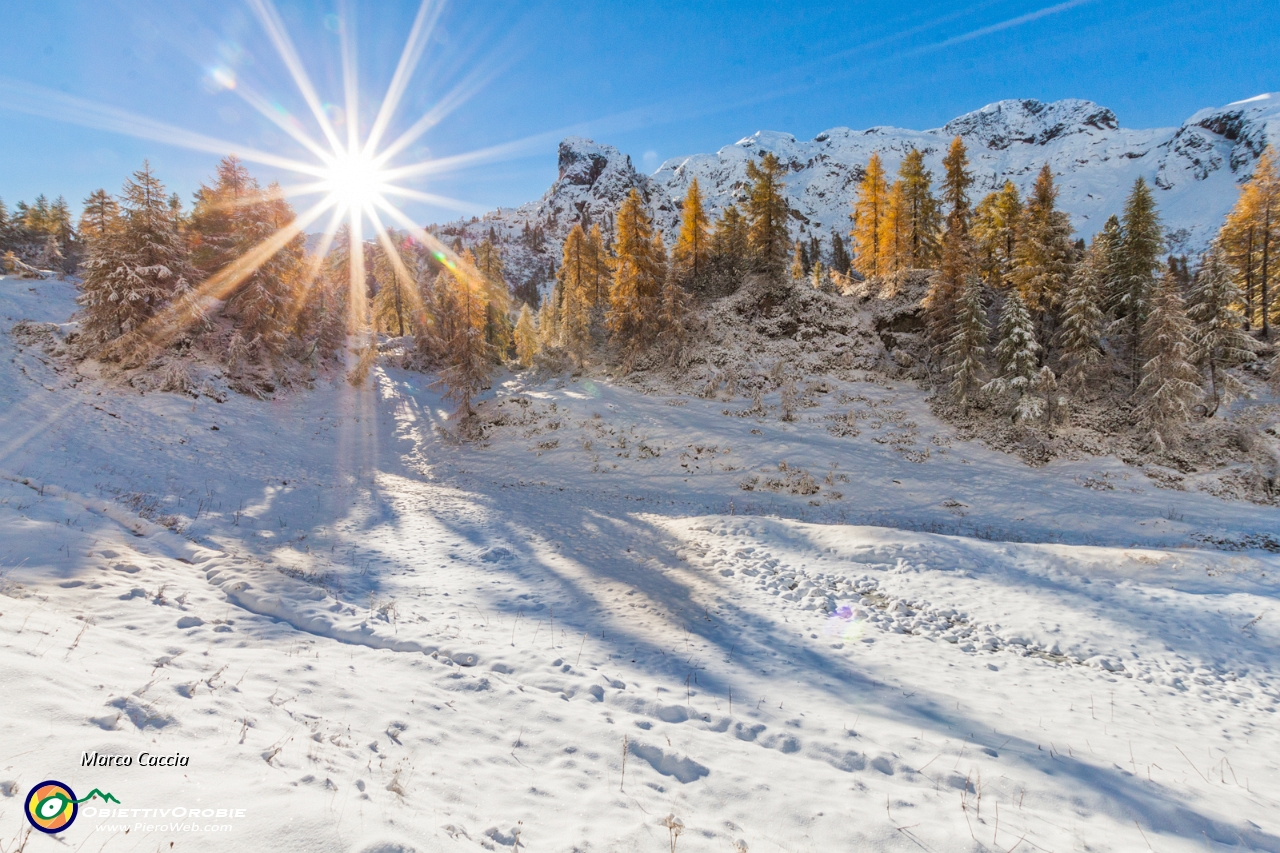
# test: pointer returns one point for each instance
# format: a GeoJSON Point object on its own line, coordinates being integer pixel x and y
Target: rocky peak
{"type": "Point", "coordinates": [583, 161]}
{"type": "Point", "coordinates": [1030, 122]}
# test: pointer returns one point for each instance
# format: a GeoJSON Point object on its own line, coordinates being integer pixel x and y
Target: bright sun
{"type": "Point", "coordinates": [354, 180]}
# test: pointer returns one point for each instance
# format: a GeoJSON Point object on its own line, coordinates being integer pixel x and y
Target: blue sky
{"type": "Point", "coordinates": [656, 79]}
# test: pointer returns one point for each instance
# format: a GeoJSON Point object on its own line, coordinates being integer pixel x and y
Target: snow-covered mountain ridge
{"type": "Point", "coordinates": [1196, 168]}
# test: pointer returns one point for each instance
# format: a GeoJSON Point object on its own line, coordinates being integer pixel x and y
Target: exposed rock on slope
{"type": "Point", "coordinates": [1196, 167]}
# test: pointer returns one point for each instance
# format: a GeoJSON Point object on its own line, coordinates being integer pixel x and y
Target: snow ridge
{"type": "Point", "coordinates": [1196, 167]}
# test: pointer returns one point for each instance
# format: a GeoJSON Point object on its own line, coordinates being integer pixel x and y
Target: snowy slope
{"type": "Point", "coordinates": [373, 639]}
{"type": "Point", "coordinates": [1196, 167]}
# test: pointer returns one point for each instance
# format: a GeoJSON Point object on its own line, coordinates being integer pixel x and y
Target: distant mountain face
{"type": "Point", "coordinates": [1196, 169]}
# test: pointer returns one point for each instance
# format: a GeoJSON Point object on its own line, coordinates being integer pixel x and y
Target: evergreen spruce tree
{"type": "Point", "coordinates": [469, 356]}
{"type": "Point", "coordinates": [796, 271]}
{"type": "Point", "coordinates": [674, 314]}
{"type": "Point", "coordinates": [869, 210]}
{"type": "Point", "coordinates": [1170, 384]}
{"type": "Point", "coordinates": [942, 301]}
{"type": "Point", "coordinates": [997, 221]}
{"type": "Point", "coordinates": [578, 293]}
{"type": "Point", "coordinates": [263, 301]}
{"type": "Point", "coordinates": [637, 281]}
{"type": "Point", "coordinates": [392, 303]}
{"type": "Point", "coordinates": [1251, 239]}
{"type": "Point", "coordinates": [1217, 327]}
{"type": "Point", "coordinates": [895, 251]}
{"type": "Point", "coordinates": [1043, 252]}
{"type": "Point", "coordinates": [526, 337]}
{"type": "Point", "coordinates": [1017, 354]}
{"type": "Point", "coordinates": [230, 219]}
{"type": "Point", "coordinates": [132, 275]}
{"type": "Point", "coordinates": [598, 273]}
{"type": "Point", "coordinates": [767, 214]}
{"type": "Point", "coordinates": [840, 261]}
{"type": "Point", "coordinates": [6, 228]}
{"type": "Point", "coordinates": [1137, 259]}
{"type": "Point", "coordinates": [220, 217]}
{"type": "Point", "coordinates": [320, 323]}
{"type": "Point", "coordinates": [730, 254]}
{"type": "Point", "coordinates": [498, 328]}
{"type": "Point", "coordinates": [819, 277]}
{"type": "Point", "coordinates": [1080, 337]}
{"type": "Point", "coordinates": [919, 213]}
{"type": "Point", "coordinates": [1241, 240]}
{"type": "Point", "coordinates": [64, 232]}
{"type": "Point", "coordinates": [689, 258]}
{"type": "Point", "coordinates": [548, 325]}
{"type": "Point", "coordinates": [101, 217]}
{"type": "Point", "coordinates": [967, 347]}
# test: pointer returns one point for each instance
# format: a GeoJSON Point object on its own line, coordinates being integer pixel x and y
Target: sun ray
{"type": "Point", "coordinates": [283, 120]}
{"type": "Point", "coordinates": [407, 279]}
{"type": "Point", "coordinates": [460, 94]}
{"type": "Point", "coordinates": [438, 200]}
{"type": "Point", "coordinates": [46, 103]}
{"type": "Point", "coordinates": [358, 314]}
{"type": "Point", "coordinates": [279, 36]}
{"type": "Point", "coordinates": [315, 260]}
{"type": "Point", "coordinates": [184, 312]}
{"type": "Point", "coordinates": [350, 76]}
{"type": "Point", "coordinates": [423, 24]}
{"type": "Point", "coordinates": [456, 265]}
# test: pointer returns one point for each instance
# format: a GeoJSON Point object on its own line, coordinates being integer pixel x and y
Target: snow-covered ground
{"type": "Point", "coordinates": [369, 637]}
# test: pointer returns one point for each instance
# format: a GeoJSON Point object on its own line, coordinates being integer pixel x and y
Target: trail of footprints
{"type": "Point", "coordinates": [861, 601]}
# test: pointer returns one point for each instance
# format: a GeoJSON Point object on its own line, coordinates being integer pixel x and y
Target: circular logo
{"type": "Point", "coordinates": [51, 806]}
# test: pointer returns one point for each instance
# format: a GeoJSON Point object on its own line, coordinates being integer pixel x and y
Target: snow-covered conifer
{"type": "Point", "coordinates": [393, 303]}
{"type": "Point", "coordinates": [1217, 327]}
{"type": "Point", "coordinates": [997, 221]}
{"type": "Point", "coordinates": [637, 280]}
{"type": "Point", "coordinates": [133, 274]}
{"type": "Point", "coordinates": [964, 353]}
{"type": "Point", "coordinates": [840, 261]}
{"type": "Point", "coordinates": [796, 271]}
{"type": "Point", "coordinates": [1017, 354]}
{"type": "Point", "coordinates": [1170, 384]}
{"type": "Point", "coordinates": [575, 276]}
{"type": "Point", "coordinates": [100, 218]}
{"type": "Point", "coordinates": [526, 337]}
{"type": "Point", "coordinates": [869, 209]}
{"type": "Point", "coordinates": [689, 257]}
{"type": "Point", "coordinates": [767, 215]}
{"type": "Point", "coordinates": [918, 214]}
{"type": "Point", "coordinates": [1080, 336]}
{"type": "Point", "coordinates": [1043, 253]}
{"type": "Point", "coordinates": [942, 301]}
{"type": "Point", "coordinates": [729, 248]}
{"type": "Point", "coordinates": [674, 315]}
{"type": "Point", "coordinates": [1137, 258]}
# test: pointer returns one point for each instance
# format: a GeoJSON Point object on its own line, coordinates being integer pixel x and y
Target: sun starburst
{"type": "Point", "coordinates": [355, 176]}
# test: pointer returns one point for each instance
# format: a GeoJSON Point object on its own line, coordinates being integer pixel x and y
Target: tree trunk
{"type": "Point", "coordinates": [1248, 282]}
{"type": "Point", "coordinates": [1266, 256]}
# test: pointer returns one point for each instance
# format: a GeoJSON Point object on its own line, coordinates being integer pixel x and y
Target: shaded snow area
{"type": "Point", "coordinates": [582, 633]}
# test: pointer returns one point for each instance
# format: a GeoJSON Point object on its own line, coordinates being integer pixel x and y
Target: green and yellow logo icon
{"type": "Point", "coordinates": [52, 806]}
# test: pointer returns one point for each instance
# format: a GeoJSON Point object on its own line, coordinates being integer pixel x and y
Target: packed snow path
{"type": "Point", "coordinates": [373, 638]}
